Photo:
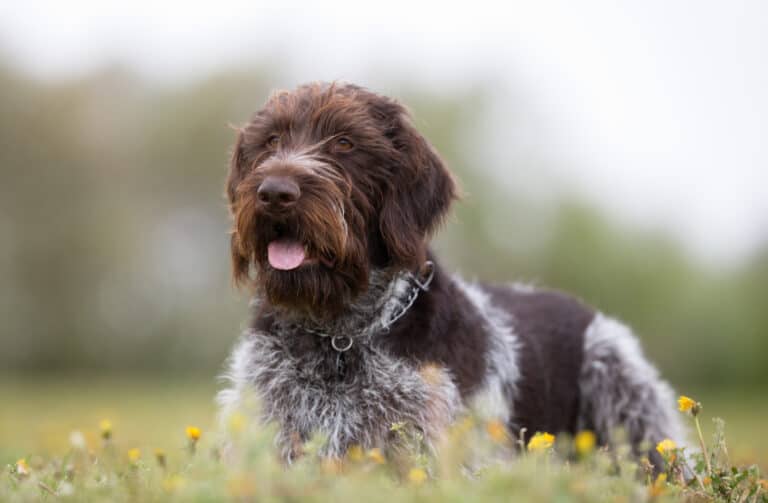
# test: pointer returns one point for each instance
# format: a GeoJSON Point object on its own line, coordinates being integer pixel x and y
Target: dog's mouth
{"type": "Point", "coordinates": [285, 252]}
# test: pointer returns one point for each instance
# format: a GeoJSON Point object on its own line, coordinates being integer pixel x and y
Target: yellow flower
{"type": "Point", "coordinates": [764, 483]}
{"type": "Point", "coordinates": [585, 442]}
{"type": "Point", "coordinates": [707, 480]}
{"type": "Point", "coordinates": [22, 468]}
{"type": "Point", "coordinates": [134, 455]}
{"type": "Point", "coordinates": [687, 404]}
{"type": "Point", "coordinates": [355, 453]}
{"type": "Point", "coordinates": [541, 442]}
{"type": "Point", "coordinates": [667, 449]}
{"type": "Point", "coordinates": [658, 486]}
{"type": "Point", "coordinates": [497, 431]}
{"type": "Point", "coordinates": [417, 476]}
{"type": "Point", "coordinates": [376, 456]}
{"type": "Point", "coordinates": [105, 425]}
{"type": "Point", "coordinates": [193, 433]}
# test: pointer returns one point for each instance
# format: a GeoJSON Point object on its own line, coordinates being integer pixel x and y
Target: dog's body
{"type": "Point", "coordinates": [356, 326]}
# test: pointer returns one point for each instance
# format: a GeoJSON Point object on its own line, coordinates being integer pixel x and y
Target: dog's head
{"type": "Point", "coordinates": [326, 182]}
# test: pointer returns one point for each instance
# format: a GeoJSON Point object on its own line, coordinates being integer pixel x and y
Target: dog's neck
{"type": "Point", "coordinates": [388, 297]}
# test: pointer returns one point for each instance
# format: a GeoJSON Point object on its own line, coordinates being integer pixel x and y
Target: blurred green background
{"type": "Point", "coordinates": [115, 297]}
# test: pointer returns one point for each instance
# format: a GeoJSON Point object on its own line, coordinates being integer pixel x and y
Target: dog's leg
{"type": "Point", "coordinates": [622, 391]}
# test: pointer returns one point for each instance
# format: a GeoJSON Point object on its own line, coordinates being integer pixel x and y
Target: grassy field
{"type": "Point", "coordinates": [39, 415]}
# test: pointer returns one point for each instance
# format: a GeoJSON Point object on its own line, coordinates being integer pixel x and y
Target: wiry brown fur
{"type": "Point", "coordinates": [374, 205]}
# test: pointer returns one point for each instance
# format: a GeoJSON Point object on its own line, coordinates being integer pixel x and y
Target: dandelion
{"type": "Point", "coordinates": [584, 441]}
{"type": "Point", "coordinates": [658, 486]}
{"type": "Point", "coordinates": [666, 446]}
{"type": "Point", "coordinates": [541, 442]}
{"type": "Point", "coordinates": [417, 476]}
{"type": "Point", "coordinates": [376, 456]}
{"type": "Point", "coordinates": [687, 404]}
{"type": "Point", "coordinates": [193, 434]}
{"type": "Point", "coordinates": [134, 455]}
{"type": "Point", "coordinates": [355, 453]}
{"type": "Point", "coordinates": [667, 449]}
{"type": "Point", "coordinates": [497, 431]}
{"type": "Point", "coordinates": [105, 426]}
{"type": "Point", "coordinates": [22, 468]}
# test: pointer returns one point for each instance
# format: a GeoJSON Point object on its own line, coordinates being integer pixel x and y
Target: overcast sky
{"type": "Point", "coordinates": [656, 110]}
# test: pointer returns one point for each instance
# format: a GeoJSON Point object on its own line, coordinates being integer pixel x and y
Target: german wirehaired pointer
{"type": "Point", "coordinates": [334, 195]}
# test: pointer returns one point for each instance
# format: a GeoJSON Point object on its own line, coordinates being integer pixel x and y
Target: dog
{"type": "Point", "coordinates": [334, 195]}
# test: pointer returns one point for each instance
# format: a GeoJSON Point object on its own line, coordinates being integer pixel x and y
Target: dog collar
{"type": "Point", "coordinates": [427, 273]}
{"type": "Point", "coordinates": [419, 283]}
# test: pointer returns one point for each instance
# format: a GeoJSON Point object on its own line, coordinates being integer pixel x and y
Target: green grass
{"type": "Point", "coordinates": [38, 416]}
{"type": "Point", "coordinates": [746, 422]}
{"type": "Point", "coordinates": [40, 413]}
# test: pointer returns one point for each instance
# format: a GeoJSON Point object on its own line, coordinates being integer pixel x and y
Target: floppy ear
{"type": "Point", "coordinates": [419, 194]}
{"type": "Point", "coordinates": [235, 174]}
{"type": "Point", "coordinates": [240, 257]}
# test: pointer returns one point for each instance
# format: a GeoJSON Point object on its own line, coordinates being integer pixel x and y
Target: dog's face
{"type": "Point", "coordinates": [326, 182]}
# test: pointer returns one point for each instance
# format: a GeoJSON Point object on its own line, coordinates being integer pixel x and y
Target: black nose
{"type": "Point", "coordinates": [278, 191]}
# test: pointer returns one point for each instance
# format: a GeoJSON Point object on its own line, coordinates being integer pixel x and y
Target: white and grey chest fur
{"type": "Point", "coordinates": [302, 385]}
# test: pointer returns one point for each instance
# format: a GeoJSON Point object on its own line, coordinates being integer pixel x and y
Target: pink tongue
{"type": "Point", "coordinates": [285, 254]}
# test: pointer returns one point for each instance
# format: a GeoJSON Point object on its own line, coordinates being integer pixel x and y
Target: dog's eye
{"type": "Point", "coordinates": [343, 144]}
{"type": "Point", "coordinates": [273, 141]}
